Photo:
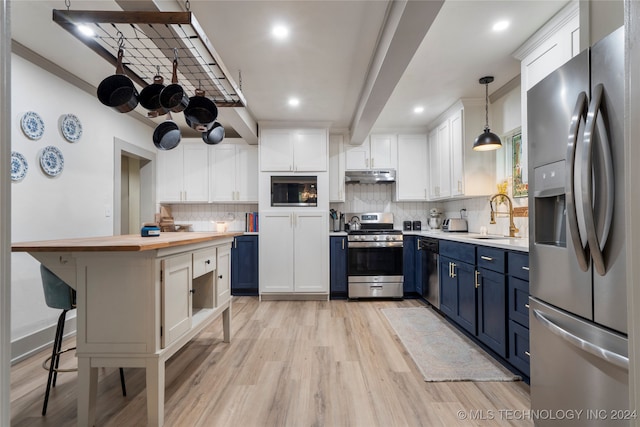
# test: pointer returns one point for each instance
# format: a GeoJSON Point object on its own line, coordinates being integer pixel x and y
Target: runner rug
{"type": "Point", "coordinates": [440, 351]}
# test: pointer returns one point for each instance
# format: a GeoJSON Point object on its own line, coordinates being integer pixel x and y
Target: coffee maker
{"type": "Point", "coordinates": [435, 220]}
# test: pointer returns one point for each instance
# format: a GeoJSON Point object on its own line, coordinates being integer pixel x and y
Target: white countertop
{"type": "Point", "coordinates": [502, 242]}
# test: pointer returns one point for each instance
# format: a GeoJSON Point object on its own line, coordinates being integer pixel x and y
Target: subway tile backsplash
{"type": "Point", "coordinates": [361, 198]}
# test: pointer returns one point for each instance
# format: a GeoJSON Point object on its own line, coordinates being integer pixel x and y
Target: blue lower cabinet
{"type": "Point", "coordinates": [409, 264]}
{"type": "Point", "coordinates": [519, 347]}
{"type": "Point", "coordinates": [244, 265]}
{"type": "Point", "coordinates": [338, 259]}
{"type": "Point", "coordinates": [492, 312]}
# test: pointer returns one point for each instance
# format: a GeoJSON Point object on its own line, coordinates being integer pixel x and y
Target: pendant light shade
{"type": "Point", "coordinates": [487, 140]}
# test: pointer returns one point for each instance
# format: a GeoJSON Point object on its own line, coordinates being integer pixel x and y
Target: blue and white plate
{"type": "Point", "coordinates": [71, 127]}
{"type": "Point", "coordinates": [32, 125]}
{"type": "Point", "coordinates": [51, 160]}
{"type": "Point", "coordinates": [19, 166]}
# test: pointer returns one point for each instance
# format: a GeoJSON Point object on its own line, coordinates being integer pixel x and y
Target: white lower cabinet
{"type": "Point", "coordinates": [193, 284]}
{"type": "Point", "coordinates": [176, 297]}
{"type": "Point", "coordinates": [294, 252]}
{"type": "Point", "coordinates": [223, 274]}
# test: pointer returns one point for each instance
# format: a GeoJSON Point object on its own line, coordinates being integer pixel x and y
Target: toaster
{"type": "Point", "coordinates": [455, 224]}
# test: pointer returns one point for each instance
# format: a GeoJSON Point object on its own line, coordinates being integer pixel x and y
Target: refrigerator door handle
{"type": "Point", "coordinates": [579, 113]}
{"type": "Point", "coordinates": [597, 243]}
{"type": "Point", "coordinates": [608, 355]}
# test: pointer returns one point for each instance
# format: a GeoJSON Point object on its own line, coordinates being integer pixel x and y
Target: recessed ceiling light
{"type": "Point", "coordinates": [294, 102]}
{"type": "Point", "coordinates": [86, 30]}
{"type": "Point", "coordinates": [419, 109]}
{"type": "Point", "coordinates": [500, 25]}
{"type": "Point", "coordinates": [280, 32]}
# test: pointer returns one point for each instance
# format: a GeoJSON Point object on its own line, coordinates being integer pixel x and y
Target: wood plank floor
{"type": "Point", "coordinates": [290, 363]}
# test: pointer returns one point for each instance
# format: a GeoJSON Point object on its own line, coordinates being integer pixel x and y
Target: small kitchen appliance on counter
{"type": "Point", "coordinates": [435, 220]}
{"type": "Point", "coordinates": [417, 225]}
{"type": "Point", "coordinates": [455, 224]}
{"type": "Point", "coordinates": [150, 229]}
{"type": "Point", "coordinates": [375, 257]}
{"type": "Point", "coordinates": [406, 225]}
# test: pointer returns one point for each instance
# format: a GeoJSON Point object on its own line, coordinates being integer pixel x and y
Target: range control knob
{"type": "Point", "coordinates": [375, 238]}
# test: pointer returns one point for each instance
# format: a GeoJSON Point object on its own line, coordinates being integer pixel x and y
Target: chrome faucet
{"type": "Point", "coordinates": [512, 226]}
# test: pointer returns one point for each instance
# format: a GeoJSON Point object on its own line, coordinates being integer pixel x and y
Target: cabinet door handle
{"type": "Point", "coordinates": [208, 261]}
{"type": "Point", "coordinates": [527, 353]}
{"type": "Point", "coordinates": [477, 281]}
{"type": "Point", "coordinates": [525, 268]}
{"type": "Point", "coordinates": [418, 245]}
{"type": "Point", "coordinates": [450, 269]}
{"type": "Point", "coordinates": [453, 270]}
{"type": "Point", "coordinates": [343, 243]}
{"type": "Point", "coordinates": [192, 291]}
{"type": "Point", "coordinates": [486, 258]}
{"type": "Point", "coordinates": [220, 276]}
{"type": "Point", "coordinates": [526, 306]}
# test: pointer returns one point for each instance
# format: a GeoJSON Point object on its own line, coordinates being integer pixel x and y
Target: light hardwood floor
{"type": "Point", "coordinates": [290, 363]}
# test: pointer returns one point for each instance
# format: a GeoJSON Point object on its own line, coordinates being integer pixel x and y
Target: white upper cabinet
{"type": "Point", "coordinates": [183, 173]}
{"type": "Point", "coordinates": [379, 152]}
{"type": "Point", "coordinates": [412, 179]}
{"type": "Point", "coordinates": [336, 168]}
{"type": "Point", "coordinates": [234, 172]}
{"type": "Point", "coordinates": [550, 47]}
{"type": "Point", "coordinates": [293, 150]}
{"type": "Point", "coordinates": [454, 168]}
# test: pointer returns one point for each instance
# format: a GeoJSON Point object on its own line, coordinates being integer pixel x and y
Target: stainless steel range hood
{"type": "Point", "coordinates": [382, 176]}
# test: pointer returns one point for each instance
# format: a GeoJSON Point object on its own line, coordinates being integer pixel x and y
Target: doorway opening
{"type": "Point", "coordinates": [134, 187]}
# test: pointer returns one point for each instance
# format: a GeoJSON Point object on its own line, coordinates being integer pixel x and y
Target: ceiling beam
{"type": "Point", "coordinates": [405, 27]}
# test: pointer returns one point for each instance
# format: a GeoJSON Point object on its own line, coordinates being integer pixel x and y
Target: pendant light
{"type": "Point", "coordinates": [487, 140]}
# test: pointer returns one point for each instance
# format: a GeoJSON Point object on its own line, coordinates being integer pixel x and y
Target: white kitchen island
{"type": "Point", "coordinates": [139, 300]}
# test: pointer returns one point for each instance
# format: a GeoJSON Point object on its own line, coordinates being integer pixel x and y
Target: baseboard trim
{"type": "Point", "coordinates": [29, 345]}
{"type": "Point", "coordinates": [294, 297]}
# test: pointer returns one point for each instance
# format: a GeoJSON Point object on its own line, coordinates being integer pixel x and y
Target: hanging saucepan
{"type": "Point", "coordinates": [201, 112]}
{"type": "Point", "coordinates": [117, 91]}
{"type": "Point", "coordinates": [173, 97]}
{"type": "Point", "coordinates": [150, 96]}
{"type": "Point", "coordinates": [167, 135]}
{"type": "Point", "coordinates": [215, 135]}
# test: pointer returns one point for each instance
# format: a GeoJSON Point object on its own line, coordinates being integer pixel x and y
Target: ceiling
{"type": "Point", "coordinates": [356, 65]}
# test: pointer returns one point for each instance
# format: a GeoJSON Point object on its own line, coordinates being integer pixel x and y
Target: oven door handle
{"type": "Point", "coordinates": [374, 244]}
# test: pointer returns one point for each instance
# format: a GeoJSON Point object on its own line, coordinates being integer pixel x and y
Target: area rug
{"type": "Point", "coordinates": [440, 351]}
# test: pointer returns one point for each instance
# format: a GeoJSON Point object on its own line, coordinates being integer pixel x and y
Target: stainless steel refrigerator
{"type": "Point", "coordinates": [578, 304]}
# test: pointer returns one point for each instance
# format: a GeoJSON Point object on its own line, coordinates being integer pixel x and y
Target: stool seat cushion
{"type": "Point", "coordinates": [57, 293]}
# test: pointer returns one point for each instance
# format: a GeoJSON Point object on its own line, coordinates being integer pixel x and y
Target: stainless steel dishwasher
{"type": "Point", "coordinates": [430, 270]}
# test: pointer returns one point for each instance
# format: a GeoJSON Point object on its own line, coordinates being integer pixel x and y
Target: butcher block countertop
{"type": "Point", "coordinates": [124, 243]}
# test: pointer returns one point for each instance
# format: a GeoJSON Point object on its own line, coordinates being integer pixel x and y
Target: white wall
{"type": "Point", "coordinates": [72, 204]}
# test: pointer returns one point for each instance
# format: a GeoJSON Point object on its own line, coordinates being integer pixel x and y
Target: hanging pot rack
{"type": "Point", "coordinates": [150, 39]}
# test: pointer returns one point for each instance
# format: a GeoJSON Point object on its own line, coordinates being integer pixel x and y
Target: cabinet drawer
{"type": "Point", "coordinates": [519, 301]}
{"type": "Point", "coordinates": [204, 261]}
{"type": "Point", "coordinates": [491, 259]}
{"type": "Point", "coordinates": [518, 265]}
{"type": "Point", "coordinates": [519, 347]}
{"type": "Point", "coordinates": [461, 251]}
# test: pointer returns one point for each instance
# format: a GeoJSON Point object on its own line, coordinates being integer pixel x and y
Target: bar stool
{"type": "Point", "coordinates": [58, 294]}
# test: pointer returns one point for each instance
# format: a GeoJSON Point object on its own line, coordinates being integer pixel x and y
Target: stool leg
{"type": "Point", "coordinates": [57, 341]}
{"type": "Point", "coordinates": [58, 345]}
{"type": "Point", "coordinates": [124, 387]}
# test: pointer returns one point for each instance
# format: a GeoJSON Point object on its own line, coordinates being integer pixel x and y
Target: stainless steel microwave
{"type": "Point", "coordinates": [294, 190]}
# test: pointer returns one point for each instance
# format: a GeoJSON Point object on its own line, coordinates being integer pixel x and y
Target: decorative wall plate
{"type": "Point", "coordinates": [51, 160]}
{"type": "Point", "coordinates": [71, 127]}
{"type": "Point", "coordinates": [32, 125]}
{"type": "Point", "coordinates": [19, 166]}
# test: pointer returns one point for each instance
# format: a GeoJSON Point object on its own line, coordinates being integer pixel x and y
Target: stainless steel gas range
{"type": "Point", "coordinates": [374, 268]}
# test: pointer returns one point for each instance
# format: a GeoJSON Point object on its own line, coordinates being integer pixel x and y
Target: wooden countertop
{"type": "Point", "coordinates": [124, 243]}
